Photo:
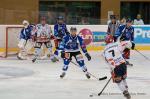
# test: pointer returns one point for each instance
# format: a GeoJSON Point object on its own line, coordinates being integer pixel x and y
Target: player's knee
{"type": "Point", "coordinates": [37, 45]}
{"type": "Point", "coordinates": [66, 62]}
{"type": "Point", "coordinates": [117, 79]}
{"type": "Point", "coordinates": [48, 45]}
{"type": "Point", "coordinates": [81, 63]}
{"type": "Point", "coordinates": [80, 60]}
{"type": "Point", "coordinates": [65, 68]}
{"type": "Point", "coordinates": [37, 51]}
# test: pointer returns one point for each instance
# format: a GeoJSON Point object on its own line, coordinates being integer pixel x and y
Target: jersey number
{"type": "Point", "coordinates": [113, 52]}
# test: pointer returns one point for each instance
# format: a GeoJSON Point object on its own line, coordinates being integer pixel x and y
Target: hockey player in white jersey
{"type": "Point", "coordinates": [43, 35]}
{"type": "Point", "coordinates": [113, 56]}
{"type": "Point", "coordinates": [25, 42]}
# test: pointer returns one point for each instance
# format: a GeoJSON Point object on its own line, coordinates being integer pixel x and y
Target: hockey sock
{"type": "Point", "coordinates": [125, 83]}
{"type": "Point", "coordinates": [121, 86]}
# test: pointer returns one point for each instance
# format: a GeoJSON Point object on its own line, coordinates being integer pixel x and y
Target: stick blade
{"type": "Point", "coordinates": [103, 78]}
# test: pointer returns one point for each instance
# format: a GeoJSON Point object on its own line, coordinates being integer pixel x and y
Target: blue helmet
{"type": "Point", "coordinates": [112, 17]}
{"type": "Point", "coordinates": [73, 29]}
{"type": "Point", "coordinates": [60, 18]}
{"type": "Point", "coordinates": [128, 20]}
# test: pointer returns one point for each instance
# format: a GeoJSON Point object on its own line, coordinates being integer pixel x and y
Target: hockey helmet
{"type": "Point", "coordinates": [109, 39]}
{"type": "Point", "coordinates": [60, 18]}
{"type": "Point", "coordinates": [129, 20]}
{"type": "Point", "coordinates": [73, 29]}
{"type": "Point", "coordinates": [112, 17]}
{"type": "Point", "coordinates": [25, 23]}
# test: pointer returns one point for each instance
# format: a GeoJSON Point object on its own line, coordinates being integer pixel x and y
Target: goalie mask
{"type": "Point", "coordinates": [25, 23]}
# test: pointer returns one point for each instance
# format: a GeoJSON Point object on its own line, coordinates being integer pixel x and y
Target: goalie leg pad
{"type": "Point", "coordinates": [48, 44]}
{"type": "Point", "coordinates": [38, 45]}
{"type": "Point", "coordinates": [29, 45]}
{"type": "Point", "coordinates": [37, 51]}
{"type": "Point", "coordinates": [22, 43]}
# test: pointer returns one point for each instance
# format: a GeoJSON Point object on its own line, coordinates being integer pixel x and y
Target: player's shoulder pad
{"type": "Point", "coordinates": [79, 37]}
{"type": "Point", "coordinates": [64, 24]}
{"type": "Point", "coordinates": [122, 26]}
{"type": "Point", "coordinates": [56, 24]}
{"type": "Point", "coordinates": [47, 25]}
{"type": "Point", "coordinates": [66, 37]}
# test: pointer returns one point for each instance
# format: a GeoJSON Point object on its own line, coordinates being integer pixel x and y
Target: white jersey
{"type": "Point", "coordinates": [113, 53]}
{"type": "Point", "coordinates": [138, 22]}
{"type": "Point", "coordinates": [43, 32]}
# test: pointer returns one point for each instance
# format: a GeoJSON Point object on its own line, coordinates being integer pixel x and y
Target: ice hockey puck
{"type": "Point", "coordinates": [91, 95]}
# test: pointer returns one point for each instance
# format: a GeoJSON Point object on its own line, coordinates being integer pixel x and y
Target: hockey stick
{"type": "Point", "coordinates": [91, 95]}
{"type": "Point", "coordinates": [99, 79]}
{"type": "Point", "coordinates": [104, 87]}
{"type": "Point", "coordinates": [142, 54]}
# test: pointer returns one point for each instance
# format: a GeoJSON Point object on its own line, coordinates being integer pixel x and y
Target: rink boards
{"type": "Point", "coordinates": [92, 34]}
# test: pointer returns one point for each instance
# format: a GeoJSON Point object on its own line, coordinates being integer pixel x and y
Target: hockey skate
{"type": "Point", "coordinates": [127, 95]}
{"type": "Point", "coordinates": [34, 59]}
{"type": "Point", "coordinates": [62, 75]}
{"type": "Point", "coordinates": [88, 76]}
{"type": "Point", "coordinates": [19, 57]}
{"type": "Point", "coordinates": [54, 59]}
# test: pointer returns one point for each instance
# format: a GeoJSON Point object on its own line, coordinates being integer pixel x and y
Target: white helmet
{"type": "Point", "coordinates": [25, 23]}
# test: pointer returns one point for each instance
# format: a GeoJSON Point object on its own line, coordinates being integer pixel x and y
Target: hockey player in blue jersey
{"type": "Point", "coordinates": [126, 33]}
{"type": "Point", "coordinates": [25, 42]}
{"type": "Point", "coordinates": [71, 45]}
{"type": "Point", "coordinates": [60, 30]}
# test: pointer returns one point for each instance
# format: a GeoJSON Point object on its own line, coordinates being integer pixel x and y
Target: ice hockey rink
{"type": "Point", "coordinates": [26, 80]}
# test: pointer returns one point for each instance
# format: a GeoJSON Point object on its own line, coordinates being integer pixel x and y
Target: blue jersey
{"type": "Point", "coordinates": [26, 33]}
{"type": "Point", "coordinates": [60, 30]}
{"type": "Point", "coordinates": [73, 44]}
{"type": "Point", "coordinates": [126, 33]}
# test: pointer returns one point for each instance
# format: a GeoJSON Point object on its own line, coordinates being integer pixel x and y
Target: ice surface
{"type": "Point", "coordinates": [40, 80]}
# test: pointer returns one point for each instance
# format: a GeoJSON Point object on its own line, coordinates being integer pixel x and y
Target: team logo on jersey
{"type": "Point", "coordinates": [87, 36]}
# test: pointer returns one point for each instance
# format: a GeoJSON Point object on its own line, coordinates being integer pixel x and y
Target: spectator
{"type": "Point", "coordinates": [113, 26]}
{"type": "Point", "coordinates": [138, 21]}
{"type": "Point", "coordinates": [109, 21]}
{"type": "Point", "coordinates": [84, 21]}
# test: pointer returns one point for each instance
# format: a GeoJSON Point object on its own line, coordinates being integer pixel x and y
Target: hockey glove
{"type": "Point", "coordinates": [62, 54]}
{"type": "Point", "coordinates": [88, 56]}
